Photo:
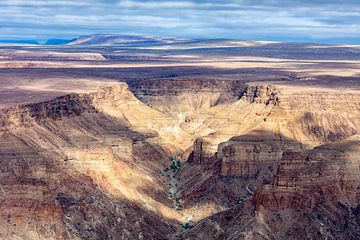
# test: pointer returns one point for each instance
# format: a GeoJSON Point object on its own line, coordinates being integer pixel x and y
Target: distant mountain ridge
{"type": "Point", "coordinates": [113, 39]}
{"type": "Point", "coordinates": [58, 41]}
{"type": "Point", "coordinates": [149, 41]}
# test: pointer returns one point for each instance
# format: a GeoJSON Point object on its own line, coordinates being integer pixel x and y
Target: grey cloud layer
{"type": "Point", "coordinates": [259, 19]}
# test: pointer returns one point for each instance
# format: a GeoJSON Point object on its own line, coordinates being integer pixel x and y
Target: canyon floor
{"type": "Point", "coordinates": [179, 139]}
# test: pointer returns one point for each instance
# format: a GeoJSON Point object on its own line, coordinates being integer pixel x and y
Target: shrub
{"type": "Point", "coordinates": [187, 225]}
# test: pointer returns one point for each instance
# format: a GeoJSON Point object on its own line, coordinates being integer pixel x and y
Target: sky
{"type": "Point", "coordinates": [330, 21]}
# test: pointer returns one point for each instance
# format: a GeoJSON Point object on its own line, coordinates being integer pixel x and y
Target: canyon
{"type": "Point", "coordinates": [177, 141]}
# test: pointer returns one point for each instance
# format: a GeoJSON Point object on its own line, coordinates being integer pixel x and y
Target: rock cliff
{"type": "Point", "coordinates": [314, 195]}
{"type": "Point", "coordinates": [306, 179]}
{"type": "Point", "coordinates": [311, 119]}
{"type": "Point", "coordinates": [270, 121]}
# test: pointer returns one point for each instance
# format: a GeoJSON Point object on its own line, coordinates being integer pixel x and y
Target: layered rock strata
{"type": "Point", "coordinates": [315, 195]}
{"type": "Point", "coordinates": [306, 179]}
{"type": "Point", "coordinates": [70, 160]}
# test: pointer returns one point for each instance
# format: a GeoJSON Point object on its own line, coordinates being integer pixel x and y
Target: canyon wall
{"type": "Point", "coordinates": [314, 195]}
{"type": "Point", "coordinates": [305, 179]}
{"type": "Point", "coordinates": [68, 160]}
{"type": "Point", "coordinates": [288, 120]}
{"type": "Point", "coordinates": [270, 121]}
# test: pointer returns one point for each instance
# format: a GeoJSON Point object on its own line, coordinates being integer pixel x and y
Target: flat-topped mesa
{"type": "Point", "coordinates": [69, 105]}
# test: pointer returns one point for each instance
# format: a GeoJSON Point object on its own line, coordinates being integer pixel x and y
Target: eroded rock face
{"type": "Point", "coordinates": [322, 184]}
{"type": "Point", "coordinates": [200, 154]}
{"type": "Point", "coordinates": [68, 171]}
{"type": "Point", "coordinates": [266, 94]}
{"type": "Point", "coordinates": [254, 105]}
{"type": "Point", "coordinates": [60, 107]}
{"type": "Point", "coordinates": [316, 117]}
{"type": "Point", "coordinates": [244, 164]}
{"type": "Point", "coordinates": [91, 165]}
{"type": "Point", "coordinates": [305, 179]}
{"type": "Point", "coordinates": [191, 91]}
{"type": "Point", "coordinates": [308, 119]}
{"type": "Point", "coordinates": [314, 195]}
{"type": "Point", "coordinates": [245, 156]}
{"type": "Point", "coordinates": [47, 195]}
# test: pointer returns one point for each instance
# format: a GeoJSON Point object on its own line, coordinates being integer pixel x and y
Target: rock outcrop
{"type": "Point", "coordinates": [310, 119]}
{"type": "Point", "coordinates": [245, 156]}
{"type": "Point", "coordinates": [239, 117]}
{"type": "Point", "coordinates": [306, 179]}
{"type": "Point", "coordinates": [271, 125]}
{"type": "Point", "coordinates": [66, 162]}
{"type": "Point", "coordinates": [63, 184]}
{"type": "Point", "coordinates": [315, 195]}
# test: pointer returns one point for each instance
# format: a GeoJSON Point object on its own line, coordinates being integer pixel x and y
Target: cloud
{"type": "Point", "coordinates": [258, 19]}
